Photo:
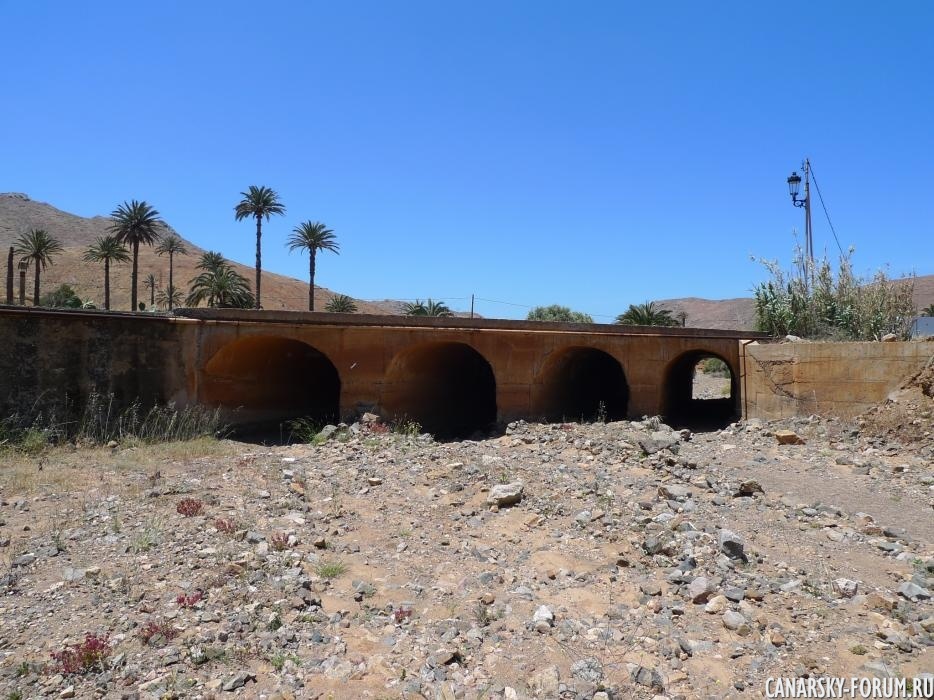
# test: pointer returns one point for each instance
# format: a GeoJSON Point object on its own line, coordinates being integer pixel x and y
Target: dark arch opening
{"type": "Point", "coordinates": [262, 381]}
{"type": "Point", "coordinates": [584, 384]}
{"type": "Point", "coordinates": [691, 404]}
{"type": "Point", "coordinates": [448, 388]}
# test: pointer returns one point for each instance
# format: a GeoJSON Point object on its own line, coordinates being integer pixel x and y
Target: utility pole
{"type": "Point", "coordinates": [23, 265]}
{"type": "Point", "coordinates": [9, 277]}
{"type": "Point", "coordinates": [471, 302]}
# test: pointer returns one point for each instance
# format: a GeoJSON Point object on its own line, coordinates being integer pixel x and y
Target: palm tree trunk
{"type": "Point", "coordinates": [106, 284]}
{"type": "Point", "coordinates": [311, 280]}
{"type": "Point", "coordinates": [133, 296]}
{"type": "Point", "coordinates": [171, 286]}
{"type": "Point", "coordinates": [259, 256]}
{"type": "Point", "coordinates": [35, 289]}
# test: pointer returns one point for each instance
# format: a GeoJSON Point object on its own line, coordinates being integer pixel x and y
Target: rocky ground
{"type": "Point", "coordinates": [552, 561]}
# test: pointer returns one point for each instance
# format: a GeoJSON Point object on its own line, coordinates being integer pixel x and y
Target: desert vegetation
{"type": "Point", "coordinates": [135, 223]}
{"type": "Point", "coordinates": [258, 203]}
{"type": "Point", "coordinates": [341, 304]}
{"type": "Point", "coordinates": [647, 314]}
{"type": "Point", "coordinates": [109, 250]}
{"type": "Point", "coordinates": [556, 312]}
{"type": "Point", "coordinates": [38, 249]}
{"type": "Point", "coordinates": [819, 301]}
{"type": "Point", "coordinates": [312, 236]}
{"type": "Point", "coordinates": [426, 308]}
{"type": "Point", "coordinates": [101, 420]}
{"type": "Point", "coordinates": [171, 245]}
{"type": "Point", "coordinates": [219, 285]}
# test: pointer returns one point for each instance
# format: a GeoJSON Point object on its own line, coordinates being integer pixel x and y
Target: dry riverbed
{"type": "Point", "coordinates": [623, 560]}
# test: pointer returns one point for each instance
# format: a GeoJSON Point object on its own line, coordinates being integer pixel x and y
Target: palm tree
{"type": "Point", "coordinates": [341, 304]}
{"type": "Point", "coordinates": [134, 224]}
{"type": "Point", "coordinates": [171, 245]}
{"type": "Point", "coordinates": [427, 308]}
{"type": "Point", "coordinates": [219, 285]}
{"type": "Point", "coordinates": [258, 202]}
{"type": "Point", "coordinates": [928, 310]}
{"type": "Point", "coordinates": [169, 297]}
{"type": "Point", "coordinates": [107, 249]}
{"type": "Point", "coordinates": [312, 236]}
{"type": "Point", "coordinates": [646, 314]}
{"type": "Point", "coordinates": [149, 282]}
{"type": "Point", "coordinates": [37, 247]}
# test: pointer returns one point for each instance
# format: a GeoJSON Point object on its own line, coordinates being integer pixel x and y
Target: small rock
{"type": "Point", "coordinates": [588, 670]}
{"type": "Point", "coordinates": [716, 605]}
{"type": "Point", "coordinates": [24, 560]}
{"type": "Point", "coordinates": [238, 680]}
{"type": "Point", "coordinates": [749, 488]}
{"type": "Point", "coordinates": [506, 494]}
{"type": "Point", "coordinates": [325, 434]}
{"type": "Point", "coordinates": [699, 589]}
{"type": "Point", "coordinates": [845, 587]}
{"type": "Point", "coordinates": [733, 620]}
{"type": "Point", "coordinates": [648, 677]}
{"type": "Point", "coordinates": [912, 591]}
{"type": "Point", "coordinates": [788, 437]}
{"type": "Point", "coordinates": [543, 614]}
{"type": "Point", "coordinates": [732, 545]}
{"type": "Point", "coordinates": [546, 683]}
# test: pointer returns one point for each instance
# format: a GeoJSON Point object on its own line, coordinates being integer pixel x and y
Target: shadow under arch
{"type": "Point", "coordinates": [683, 410]}
{"type": "Point", "coordinates": [448, 388]}
{"type": "Point", "coordinates": [263, 380]}
{"type": "Point", "coordinates": [582, 384]}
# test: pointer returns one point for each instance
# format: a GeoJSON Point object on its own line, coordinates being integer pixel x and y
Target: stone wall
{"type": "Point", "coordinates": [841, 379]}
{"type": "Point", "coordinates": [54, 359]}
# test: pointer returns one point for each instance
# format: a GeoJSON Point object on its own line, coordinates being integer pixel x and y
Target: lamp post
{"type": "Point", "coordinates": [794, 183]}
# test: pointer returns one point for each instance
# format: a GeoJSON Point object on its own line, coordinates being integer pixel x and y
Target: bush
{"type": "Point", "coordinates": [714, 366]}
{"type": "Point", "coordinates": [558, 313]}
{"type": "Point", "coordinates": [816, 301]}
{"type": "Point", "coordinates": [62, 298]}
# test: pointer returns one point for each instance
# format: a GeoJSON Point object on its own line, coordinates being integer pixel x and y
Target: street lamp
{"type": "Point", "coordinates": [794, 184]}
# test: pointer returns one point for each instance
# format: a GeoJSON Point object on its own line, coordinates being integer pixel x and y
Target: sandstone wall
{"type": "Point", "coordinates": [842, 379]}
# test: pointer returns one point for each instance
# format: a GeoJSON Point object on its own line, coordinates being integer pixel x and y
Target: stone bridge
{"type": "Point", "coordinates": [452, 375]}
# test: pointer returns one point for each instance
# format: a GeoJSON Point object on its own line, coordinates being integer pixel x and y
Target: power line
{"type": "Point", "coordinates": [826, 213]}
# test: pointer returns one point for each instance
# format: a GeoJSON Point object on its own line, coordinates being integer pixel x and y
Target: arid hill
{"type": "Point", "coordinates": [18, 213]}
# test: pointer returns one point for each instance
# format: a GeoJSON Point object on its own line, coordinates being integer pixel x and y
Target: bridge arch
{"type": "Point", "coordinates": [447, 387]}
{"type": "Point", "coordinates": [261, 380]}
{"type": "Point", "coordinates": [582, 384]}
{"type": "Point", "coordinates": [687, 403]}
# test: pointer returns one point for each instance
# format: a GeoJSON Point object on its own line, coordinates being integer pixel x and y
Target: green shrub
{"type": "Point", "coordinates": [558, 313]}
{"type": "Point", "coordinates": [714, 366]}
{"type": "Point", "coordinates": [816, 301]}
{"type": "Point", "coordinates": [62, 298]}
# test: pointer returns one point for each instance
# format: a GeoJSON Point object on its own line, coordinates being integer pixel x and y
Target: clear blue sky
{"type": "Point", "coordinates": [589, 154]}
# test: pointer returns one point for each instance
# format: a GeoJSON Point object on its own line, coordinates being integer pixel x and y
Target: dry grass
{"type": "Point", "coordinates": [72, 469]}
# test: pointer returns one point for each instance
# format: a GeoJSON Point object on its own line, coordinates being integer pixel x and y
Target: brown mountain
{"type": "Point", "coordinates": [19, 213]}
